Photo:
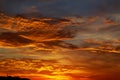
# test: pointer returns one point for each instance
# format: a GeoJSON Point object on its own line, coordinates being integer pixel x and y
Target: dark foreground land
{"type": "Point", "coordinates": [12, 78]}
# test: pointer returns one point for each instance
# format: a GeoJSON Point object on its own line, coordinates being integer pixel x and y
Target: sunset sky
{"type": "Point", "coordinates": [60, 39]}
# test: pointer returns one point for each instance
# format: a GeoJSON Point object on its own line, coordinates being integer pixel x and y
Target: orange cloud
{"type": "Point", "coordinates": [71, 42]}
{"type": "Point", "coordinates": [46, 69]}
{"type": "Point", "coordinates": [51, 33]}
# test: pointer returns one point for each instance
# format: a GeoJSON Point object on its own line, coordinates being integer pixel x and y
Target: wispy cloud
{"type": "Point", "coordinates": [69, 32]}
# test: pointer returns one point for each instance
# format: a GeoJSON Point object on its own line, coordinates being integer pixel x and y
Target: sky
{"type": "Point", "coordinates": [60, 39]}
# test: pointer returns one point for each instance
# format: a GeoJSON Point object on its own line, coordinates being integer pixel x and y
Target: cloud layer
{"type": "Point", "coordinates": [38, 8]}
{"type": "Point", "coordinates": [60, 40]}
{"type": "Point", "coordinates": [70, 32]}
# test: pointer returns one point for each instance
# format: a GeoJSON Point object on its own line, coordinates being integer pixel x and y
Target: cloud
{"type": "Point", "coordinates": [70, 63]}
{"type": "Point", "coordinates": [23, 65]}
{"type": "Point", "coordinates": [41, 68]}
{"type": "Point", "coordinates": [69, 32]}
{"type": "Point", "coordinates": [108, 76]}
{"type": "Point", "coordinates": [68, 47]}
{"type": "Point", "coordinates": [58, 8]}
{"type": "Point", "coordinates": [11, 39]}
{"type": "Point", "coordinates": [94, 67]}
{"type": "Point", "coordinates": [38, 31]}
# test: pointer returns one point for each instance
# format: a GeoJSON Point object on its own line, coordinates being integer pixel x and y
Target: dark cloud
{"type": "Point", "coordinates": [71, 32]}
{"type": "Point", "coordinates": [46, 31]}
{"type": "Point", "coordinates": [110, 6]}
{"type": "Point", "coordinates": [12, 39]}
{"type": "Point", "coordinates": [54, 44]}
{"type": "Point", "coordinates": [107, 76]}
{"type": "Point", "coordinates": [59, 7]}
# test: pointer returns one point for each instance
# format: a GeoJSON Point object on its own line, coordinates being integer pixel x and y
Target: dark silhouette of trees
{"type": "Point", "coordinates": [12, 78]}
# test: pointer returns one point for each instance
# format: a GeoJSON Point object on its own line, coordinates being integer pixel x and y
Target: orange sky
{"type": "Point", "coordinates": [68, 48]}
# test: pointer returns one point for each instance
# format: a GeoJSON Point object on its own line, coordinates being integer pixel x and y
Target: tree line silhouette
{"type": "Point", "coordinates": [12, 78]}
